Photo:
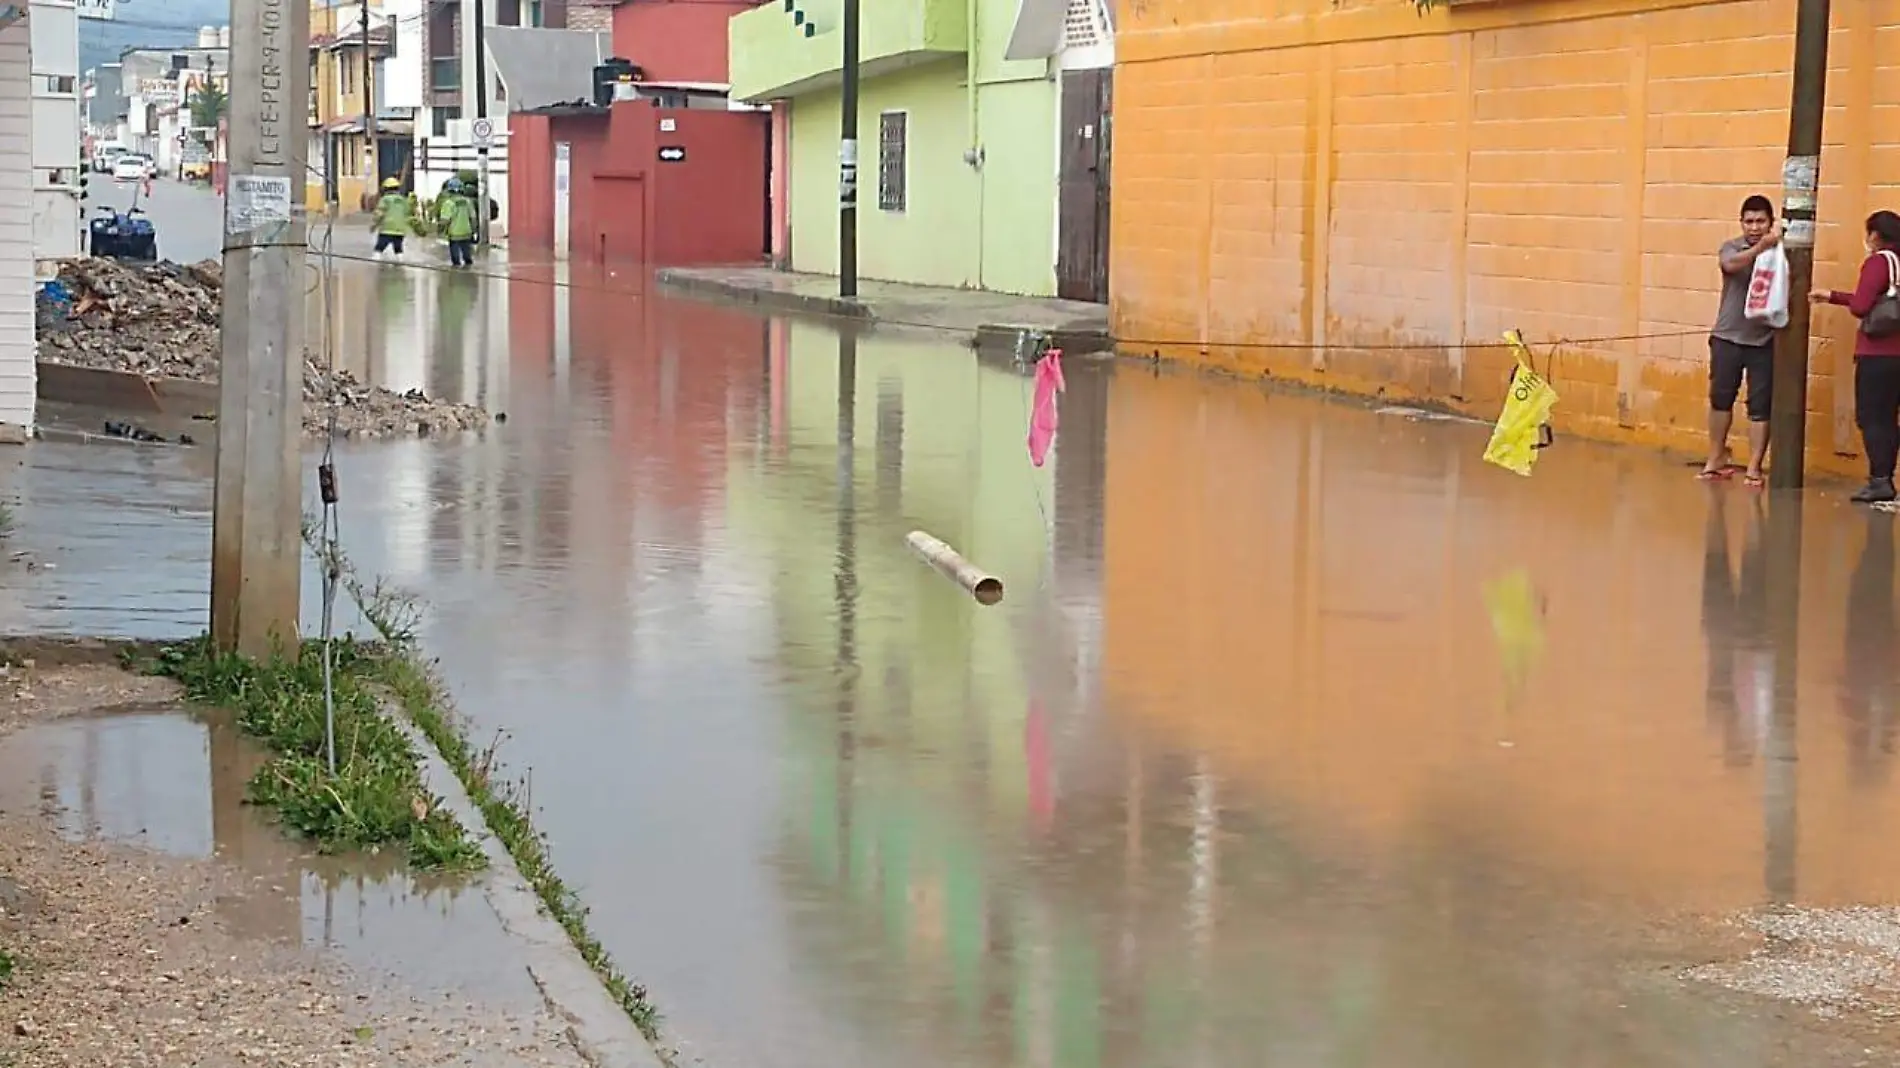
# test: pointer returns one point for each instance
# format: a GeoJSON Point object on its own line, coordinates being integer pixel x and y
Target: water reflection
{"type": "Point", "coordinates": [168, 782]}
{"type": "Point", "coordinates": [1303, 736]}
{"type": "Point", "coordinates": [1868, 668]}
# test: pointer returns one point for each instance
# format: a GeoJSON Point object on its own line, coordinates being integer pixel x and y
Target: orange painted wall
{"type": "Point", "coordinates": [1350, 175]}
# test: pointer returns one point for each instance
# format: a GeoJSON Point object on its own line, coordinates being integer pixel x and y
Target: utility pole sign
{"type": "Point", "coordinates": [482, 132]}
{"type": "Point", "coordinates": [257, 513]}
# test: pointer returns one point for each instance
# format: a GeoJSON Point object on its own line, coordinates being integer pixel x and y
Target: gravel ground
{"type": "Point", "coordinates": [1832, 961]}
{"type": "Point", "coordinates": [163, 320]}
{"type": "Point", "coordinates": [123, 960]}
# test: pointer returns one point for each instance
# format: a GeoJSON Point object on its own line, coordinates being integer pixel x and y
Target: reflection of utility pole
{"type": "Point", "coordinates": [1780, 830]}
{"type": "Point", "coordinates": [845, 587]}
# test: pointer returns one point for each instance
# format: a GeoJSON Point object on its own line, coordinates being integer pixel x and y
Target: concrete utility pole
{"type": "Point", "coordinates": [256, 542]}
{"type": "Point", "coordinates": [375, 167]}
{"type": "Point", "coordinates": [1800, 180]}
{"type": "Point", "coordinates": [848, 158]}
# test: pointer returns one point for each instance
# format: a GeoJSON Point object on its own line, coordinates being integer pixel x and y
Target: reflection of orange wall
{"type": "Point", "coordinates": [1347, 173]}
{"type": "Point", "coordinates": [1296, 589]}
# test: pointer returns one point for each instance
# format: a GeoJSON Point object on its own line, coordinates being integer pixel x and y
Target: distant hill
{"type": "Point", "coordinates": [148, 24]}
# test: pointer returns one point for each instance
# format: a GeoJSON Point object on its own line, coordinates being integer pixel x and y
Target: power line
{"type": "Point", "coordinates": [1124, 342]}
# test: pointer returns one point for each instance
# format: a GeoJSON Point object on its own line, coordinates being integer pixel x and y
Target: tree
{"type": "Point", "coordinates": [209, 104]}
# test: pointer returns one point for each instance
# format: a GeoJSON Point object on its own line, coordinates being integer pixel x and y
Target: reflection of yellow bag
{"type": "Point", "coordinates": [1520, 429]}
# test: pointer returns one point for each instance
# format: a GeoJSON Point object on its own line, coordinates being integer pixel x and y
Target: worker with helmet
{"type": "Point", "coordinates": [455, 217]}
{"type": "Point", "coordinates": [392, 219]}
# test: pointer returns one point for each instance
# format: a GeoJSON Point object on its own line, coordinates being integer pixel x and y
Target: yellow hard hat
{"type": "Point", "coordinates": [392, 183]}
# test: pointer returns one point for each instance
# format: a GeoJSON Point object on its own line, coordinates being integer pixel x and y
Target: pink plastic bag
{"type": "Point", "coordinates": [1042, 416]}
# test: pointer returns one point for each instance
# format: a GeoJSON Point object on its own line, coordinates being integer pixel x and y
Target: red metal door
{"type": "Point", "coordinates": [620, 218]}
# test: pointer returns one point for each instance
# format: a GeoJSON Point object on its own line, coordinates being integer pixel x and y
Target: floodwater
{"type": "Point", "coordinates": [174, 783]}
{"type": "Point", "coordinates": [1303, 736]}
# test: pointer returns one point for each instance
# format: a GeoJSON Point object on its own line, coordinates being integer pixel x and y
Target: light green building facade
{"type": "Point", "coordinates": [975, 174]}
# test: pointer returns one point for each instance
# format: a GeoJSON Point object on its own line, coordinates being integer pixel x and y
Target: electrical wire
{"type": "Point", "coordinates": [329, 547]}
{"type": "Point", "coordinates": [1120, 342]}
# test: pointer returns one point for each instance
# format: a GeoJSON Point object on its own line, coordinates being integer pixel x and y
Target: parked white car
{"type": "Point", "coordinates": [103, 158]}
{"type": "Point", "coordinates": [133, 167]}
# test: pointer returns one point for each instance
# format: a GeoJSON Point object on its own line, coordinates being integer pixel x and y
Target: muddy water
{"type": "Point", "coordinates": [162, 780]}
{"type": "Point", "coordinates": [1303, 737]}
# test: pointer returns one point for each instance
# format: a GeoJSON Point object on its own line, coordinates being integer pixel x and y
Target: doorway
{"type": "Point", "coordinates": [1083, 194]}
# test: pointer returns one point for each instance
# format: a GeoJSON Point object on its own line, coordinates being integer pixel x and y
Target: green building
{"type": "Point", "coordinates": [960, 160]}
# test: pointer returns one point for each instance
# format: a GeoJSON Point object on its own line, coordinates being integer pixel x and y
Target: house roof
{"type": "Point", "coordinates": [541, 67]}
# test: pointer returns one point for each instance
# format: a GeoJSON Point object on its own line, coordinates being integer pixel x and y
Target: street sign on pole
{"type": "Point", "coordinates": [483, 131]}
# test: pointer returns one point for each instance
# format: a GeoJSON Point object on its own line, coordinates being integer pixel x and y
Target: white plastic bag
{"type": "Point", "coordinates": [1768, 289]}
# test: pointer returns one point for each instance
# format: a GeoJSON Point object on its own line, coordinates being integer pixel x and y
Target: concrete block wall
{"type": "Point", "coordinates": [1387, 187]}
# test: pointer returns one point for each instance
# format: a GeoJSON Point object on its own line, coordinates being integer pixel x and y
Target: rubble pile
{"type": "Point", "coordinates": [364, 411]}
{"type": "Point", "coordinates": [161, 320]}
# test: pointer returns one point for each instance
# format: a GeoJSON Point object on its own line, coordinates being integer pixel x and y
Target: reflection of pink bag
{"type": "Point", "coordinates": [1042, 417]}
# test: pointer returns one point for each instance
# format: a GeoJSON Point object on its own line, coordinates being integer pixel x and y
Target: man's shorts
{"type": "Point", "coordinates": [1729, 362]}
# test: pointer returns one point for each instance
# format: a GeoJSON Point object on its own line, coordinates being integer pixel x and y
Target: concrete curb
{"type": "Point", "coordinates": [783, 300]}
{"type": "Point", "coordinates": [1000, 338]}
{"type": "Point", "coordinates": [600, 1029]}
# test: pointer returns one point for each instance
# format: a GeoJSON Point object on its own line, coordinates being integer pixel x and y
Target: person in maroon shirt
{"type": "Point", "coordinates": [1876, 359]}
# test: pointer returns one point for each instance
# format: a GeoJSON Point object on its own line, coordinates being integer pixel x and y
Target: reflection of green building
{"type": "Point", "coordinates": [937, 446]}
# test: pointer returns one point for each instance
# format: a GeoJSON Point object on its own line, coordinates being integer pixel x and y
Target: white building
{"type": "Point", "coordinates": [18, 380]}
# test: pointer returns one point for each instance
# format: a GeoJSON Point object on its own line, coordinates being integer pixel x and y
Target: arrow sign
{"type": "Point", "coordinates": [672, 154]}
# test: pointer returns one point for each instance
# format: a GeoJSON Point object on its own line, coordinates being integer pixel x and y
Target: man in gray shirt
{"type": "Point", "coordinates": [1741, 347]}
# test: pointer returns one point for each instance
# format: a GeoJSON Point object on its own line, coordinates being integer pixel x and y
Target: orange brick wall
{"type": "Point", "coordinates": [1368, 187]}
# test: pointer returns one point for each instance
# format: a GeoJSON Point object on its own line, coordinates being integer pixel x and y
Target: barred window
{"type": "Point", "coordinates": [891, 138]}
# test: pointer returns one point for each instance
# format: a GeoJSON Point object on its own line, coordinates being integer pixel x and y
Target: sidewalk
{"type": "Point", "coordinates": [986, 318]}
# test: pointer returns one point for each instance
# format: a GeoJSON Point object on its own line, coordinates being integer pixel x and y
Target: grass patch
{"type": "Point", "coordinates": [505, 805]}
{"type": "Point", "coordinates": [6, 967]}
{"type": "Point", "coordinates": [375, 801]}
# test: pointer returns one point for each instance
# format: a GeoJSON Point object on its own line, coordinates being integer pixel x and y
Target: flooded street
{"type": "Point", "coordinates": [1303, 737]}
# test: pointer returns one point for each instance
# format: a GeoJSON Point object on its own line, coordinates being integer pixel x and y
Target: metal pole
{"type": "Point", "coordinates": [1800, 180]}
{"type": "Point", "coordinates": [481, 208]}
{"type": "Point", "coordinates": [256, 542]}
{"type": "Point", "coordinates": [848, 159]}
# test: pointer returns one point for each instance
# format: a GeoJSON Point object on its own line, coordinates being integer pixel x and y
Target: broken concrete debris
{"type": "Point", "coordinates": [161, 320]}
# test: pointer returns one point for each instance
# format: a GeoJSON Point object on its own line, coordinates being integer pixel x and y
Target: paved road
{"type": "Point", "coordinates": [1303, 737]}
{"type": "Point", "coordinates": [189, 217]}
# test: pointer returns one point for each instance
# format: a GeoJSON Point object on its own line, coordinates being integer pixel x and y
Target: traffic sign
{"type": "Point", "coordinates": [483, 131]}
{"type": "Point", "coordinates": [672, 154]}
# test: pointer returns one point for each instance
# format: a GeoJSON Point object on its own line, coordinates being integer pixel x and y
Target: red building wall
{"type": "Point", "coordinates": [626, 203]}
{"type": "Point", "coordinates": [676, 40]}
{"type": "Point", "coordinates": [530, 181]}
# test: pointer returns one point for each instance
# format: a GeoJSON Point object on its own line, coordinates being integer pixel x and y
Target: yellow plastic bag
{"type": "Point", "coordinates": [1520, 431]}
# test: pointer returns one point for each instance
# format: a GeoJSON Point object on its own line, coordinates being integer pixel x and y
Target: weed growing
{"type": "Point", "coordinates": [505, 805]}
{"type": "Point", "coordinates": [376, 799]}
{"type": "Point", "coordinates": [6, 967]}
